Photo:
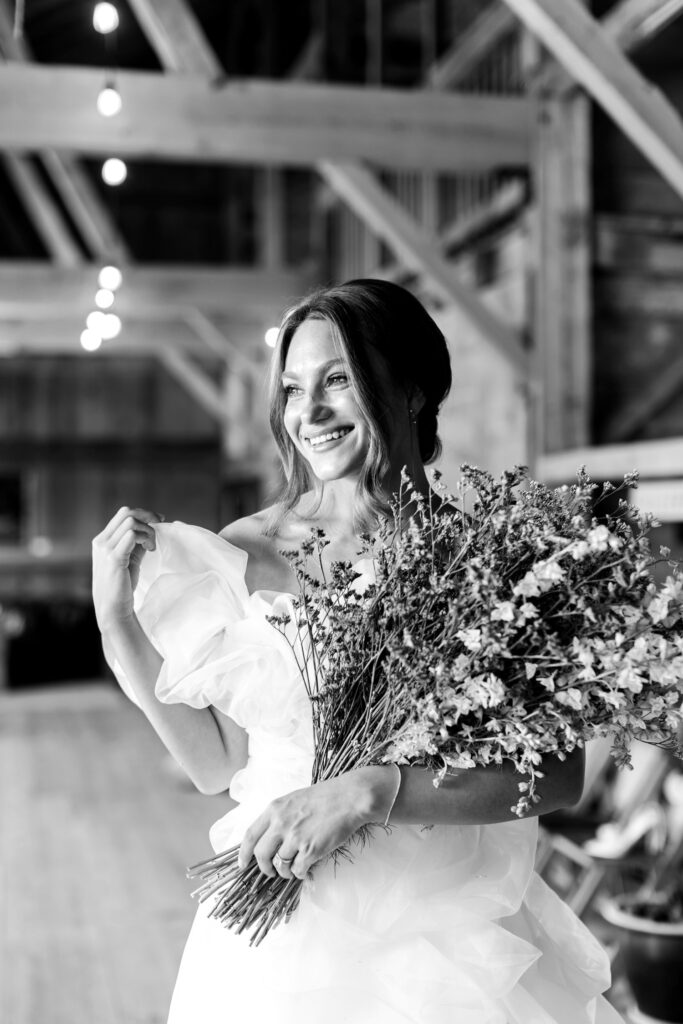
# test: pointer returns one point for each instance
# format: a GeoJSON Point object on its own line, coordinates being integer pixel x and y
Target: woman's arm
{"type": "Point", "coordinates": [206, 744]}
{"type": "Point", "coordinates": [308, 824]}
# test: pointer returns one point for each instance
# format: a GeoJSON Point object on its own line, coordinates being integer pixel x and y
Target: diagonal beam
{"type": "Point", "coordinates": [632, 23]}
{"type": "Point", "coordinates": [45, 214]}
{"type": "Point", "coordinates": [647, 403]}
{"type": "Point", "coordinates": [642, 112]}
{"type": "Point", "coordinates": [478, 39]}
{"type": "Point", "coordinates": [185, 117]}
{"type": "Point", "coordinates": [195, 382]}
{"type": "Point", "coordinates": [416, 248]}
{"type": "Point", "coordinates": [177, 37]}
{"type": "Point", "coordinates": [87, 210]}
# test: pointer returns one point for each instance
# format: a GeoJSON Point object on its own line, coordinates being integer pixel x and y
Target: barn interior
{"type": "Point", "coordinates": [517, 164]}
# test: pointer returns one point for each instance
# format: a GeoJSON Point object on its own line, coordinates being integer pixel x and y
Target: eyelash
{"type": "Point", "coordinates": [292, 389]}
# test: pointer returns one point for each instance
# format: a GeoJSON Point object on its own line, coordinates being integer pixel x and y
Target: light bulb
{"type": "Point", "coordinates": [105, 18]}
{"type": "Point", "coordinates": [95, 321]}
{"type": "Point", "coordinates": [111, 326]}
{"type": "Point", "coordinates": [114, 171]}
{"type": "Point", "coordinates": [90, 340]}
{"type": "Point", "coordinates": [271, 336]}
{"type": "Point", "coordinates": [110, 278]}
{"type": "Point", "coordinates": [109, 102]}
{"type": "Point", "coordinates": [104, 298]}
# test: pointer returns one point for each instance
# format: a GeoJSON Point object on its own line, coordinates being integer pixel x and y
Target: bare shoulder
{"type": "Point", "coordinates": [267, 569]}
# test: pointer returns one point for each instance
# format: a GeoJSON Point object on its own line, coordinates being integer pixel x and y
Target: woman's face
{"type": "Point", "coordinates": [321, 415]}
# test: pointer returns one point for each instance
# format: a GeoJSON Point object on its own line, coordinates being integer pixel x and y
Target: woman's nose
{"type": "Point", "coordinates": [314, 407]}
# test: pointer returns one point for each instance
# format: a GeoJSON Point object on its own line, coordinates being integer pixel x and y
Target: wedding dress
{"type": "Point", "coordinates": [441, 925]}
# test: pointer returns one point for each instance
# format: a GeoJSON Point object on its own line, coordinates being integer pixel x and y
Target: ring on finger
{"type": "Point", "coordinates": [279, 861]}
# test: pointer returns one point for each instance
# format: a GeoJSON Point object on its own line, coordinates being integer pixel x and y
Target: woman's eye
{"type": "Point", "coordinates": [290, 389]}
{"type": "Point", "coordinates": [338, 379]}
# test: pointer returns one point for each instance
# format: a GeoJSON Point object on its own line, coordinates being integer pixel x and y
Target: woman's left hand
{"type": "Point", "coordinates": [299, 829]}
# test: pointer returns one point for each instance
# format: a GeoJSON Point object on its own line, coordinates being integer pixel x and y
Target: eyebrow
{"type": "Point", "coordinates": [326, 366]}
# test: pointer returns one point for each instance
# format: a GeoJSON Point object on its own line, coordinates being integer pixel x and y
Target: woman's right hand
{"type": "Point", "coordinates": [116, 556]}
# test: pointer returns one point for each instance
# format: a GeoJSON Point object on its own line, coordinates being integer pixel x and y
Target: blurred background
{"type": "Point", "coordinates": [174, 174]}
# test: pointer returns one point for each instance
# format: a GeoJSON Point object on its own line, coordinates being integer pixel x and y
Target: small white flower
{"type": "Point", "coordinates": [527, 587]}
{"type": "Point", "coordinates": [505, 611]}
{"type": "Point", "coordinates": [471, 638]}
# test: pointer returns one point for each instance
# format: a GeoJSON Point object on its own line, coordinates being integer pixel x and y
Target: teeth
{"type": "Point", "coordinates": [322, 438]}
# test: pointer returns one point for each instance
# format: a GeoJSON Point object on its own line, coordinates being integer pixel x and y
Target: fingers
{"type": "Point", "coordinates": [139, 516]}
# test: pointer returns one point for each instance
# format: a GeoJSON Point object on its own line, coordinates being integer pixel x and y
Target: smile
{"type": "Point", "coordinates": [325, 440]}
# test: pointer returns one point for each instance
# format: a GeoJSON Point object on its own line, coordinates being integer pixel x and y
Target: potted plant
{"type": "Point", "coordinates": [649, 926]}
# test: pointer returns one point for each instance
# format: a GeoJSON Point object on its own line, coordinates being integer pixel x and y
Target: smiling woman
{"type": "Point", "coordinates": [423, 925]}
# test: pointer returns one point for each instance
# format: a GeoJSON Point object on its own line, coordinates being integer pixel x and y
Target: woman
{"type": "Point", "coordinates": [425, 925]}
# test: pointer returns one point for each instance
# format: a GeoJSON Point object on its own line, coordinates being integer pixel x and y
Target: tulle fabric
{"type": "Point", "coordinates": [425, 926]}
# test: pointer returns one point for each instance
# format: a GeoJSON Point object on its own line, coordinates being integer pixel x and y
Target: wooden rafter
{"type": "Point", "coordinates": [493, 24]}
{"type": "Point", "coordinates": [45, 214]}
{"type": "Point", "coordinates": [185, 117]}
{"type": "Point", "coordinates": [85, 207]}
{"type": "Point", "coordinates": [37, 290]}
{"type": "Point", "coordinates": [632, 23]}
{"type": "Point", "coordinates": [195, 381]}
{"type": "Point", "coordinates": [642, 112]}
{"type": "Point", "coordinates": [415, 247]}
{"type": "Point", "coordinates": [177, 37]}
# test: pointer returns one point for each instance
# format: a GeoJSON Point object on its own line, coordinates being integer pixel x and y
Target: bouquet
{"type": "Point", "coordinates": [505, 623]}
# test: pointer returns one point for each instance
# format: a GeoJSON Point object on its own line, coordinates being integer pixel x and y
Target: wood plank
{"type": "Point", "coordinates": [184, 117]}
{"type": "Point", "coordinates": [415, 247]}
{"type": "Point", "coordinates": [582, 46]}
{"type": "Point", "coordinates": [472, 46]}
{"type": "Point", "coordinates": [177, 37]}
{"type": "Point", "coordinates": [660, 458]}
{"type": "Point", "coordinates": [36, 290]}
{"type": "Point", "coordinates": [640, 293]}
{"type": "Point", "coordinates": [46, 215]}
{"type": "Point", "coordinates": [105, 856]}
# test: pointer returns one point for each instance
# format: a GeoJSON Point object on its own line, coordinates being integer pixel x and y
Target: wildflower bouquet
{"type": "Point", "coordinates": [505, 623]}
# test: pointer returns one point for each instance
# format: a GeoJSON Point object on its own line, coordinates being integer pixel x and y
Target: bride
{"type": "Point", "coordinates": [426, 925]}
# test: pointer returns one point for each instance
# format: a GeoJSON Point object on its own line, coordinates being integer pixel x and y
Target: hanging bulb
{"type": "Point", "coordinates": [105, 18]}
{"type": "Point", "coordinates": [90, 340]}
{"type": "Point", "coordinates": [111, 327]}
{"type": "Point", "coordinates": [271, 336]}
{"type": "Point", "coordinates": [104, 298]}
{"type": "Point", "coordinates": [95, 322]}
{"type": "Point", "coordinates": [114, 171]}
{"type": "Point", "coordinates": [109, 101]}
{"type": "Point", "coordinates": [110, 278]}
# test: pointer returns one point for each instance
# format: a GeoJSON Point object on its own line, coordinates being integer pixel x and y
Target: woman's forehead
{"type": "Point", "coordinates": [313, 342]}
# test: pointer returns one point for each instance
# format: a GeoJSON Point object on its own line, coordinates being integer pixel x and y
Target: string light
{"type": "Point", "coordinates": [271, 336]}
{"type": "Point", "coordinates": [104, 298]}
{"type": "Point", "coordinates": [90, 340]}
{"type": "Point", "coordinates": [114, 171]}
{"type": "Point", "coordinates": [95, 322]}
{"type": "Point", "coordinates": [109, 101]}
{"type": "Point", "coordinates": [111, 327]}
{"type": "Point", "coordinates": [105, 18]}
{"type": "Point", "coordinates": [110, 278]}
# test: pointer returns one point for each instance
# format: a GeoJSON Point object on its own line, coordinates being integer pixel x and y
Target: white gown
{"type": "Point", "coordinates": [446, 925]}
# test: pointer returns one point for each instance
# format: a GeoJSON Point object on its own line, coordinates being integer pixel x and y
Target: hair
{"type": "Point", "coordinates": [366, 317]}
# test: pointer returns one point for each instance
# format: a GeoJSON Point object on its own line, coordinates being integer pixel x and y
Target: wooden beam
{"type": "Point", "coordinates": [583, 47]}
{"type": "Point", "coordinates": [46, 216]}
{"type": "Point", "coordinates": [75, 189]}
{"type": "Point", "coordinates": [216, 341]}
{"type": "Point", "coordinates": [37, 290]}
{"type": "Point", "coordinates": [624, 245]}
{"type": "Point", "coordinates": [642, 294]}
{"type": "Point", "coordinates": [633, 22]}
{"type": "Point", "coordinates": [184, 117]}
{"type": "Point", "coordinates": [415, 247]}
{"type": "Point", "coordinates": [653, 459]}
{"type": "Point", "coordinates": [61, 337]}
{"type": "Point", "coordinates": [195, 382]}
{"type": "Point", "coordinates": [493, 24]}
{"type": "Point", "coordinates": [177, 37]}
{"type": "Point", "coordinates": [647, 402]}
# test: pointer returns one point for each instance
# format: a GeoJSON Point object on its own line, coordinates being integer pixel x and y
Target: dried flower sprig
{"type": "Point", "coordinates": [505, 623]}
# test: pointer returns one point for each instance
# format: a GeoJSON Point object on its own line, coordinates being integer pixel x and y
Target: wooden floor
{"type": "Point", "coordinates": [95, 832]}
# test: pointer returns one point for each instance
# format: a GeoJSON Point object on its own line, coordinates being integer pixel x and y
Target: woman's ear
{"type": "Point", "coordinates": [416, 399]}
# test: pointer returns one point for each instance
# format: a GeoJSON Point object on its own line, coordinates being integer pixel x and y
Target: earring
{"type": "Point", "coordinates": [413, 417]}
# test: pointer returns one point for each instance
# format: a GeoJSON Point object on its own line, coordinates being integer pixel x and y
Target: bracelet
{"type": "Point", "coordinates": [393, 764]}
